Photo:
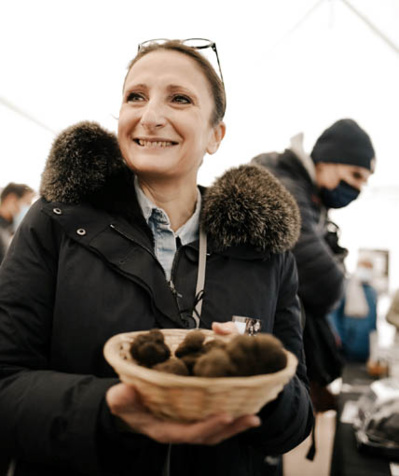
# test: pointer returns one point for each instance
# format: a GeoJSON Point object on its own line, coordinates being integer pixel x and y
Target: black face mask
{"type": "Point", "coordinates": [340, 196]}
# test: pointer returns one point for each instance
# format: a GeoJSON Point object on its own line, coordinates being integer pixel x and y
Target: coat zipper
{"type": "Point", "coordinates": [172, 273]}
{"type": "Point", "coordinates": [176, 295]}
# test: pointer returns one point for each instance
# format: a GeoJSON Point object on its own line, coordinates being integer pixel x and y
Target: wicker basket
{"type": "Point", "coordinates": [194, 398]}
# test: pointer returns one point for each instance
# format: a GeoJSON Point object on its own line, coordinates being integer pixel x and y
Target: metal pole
{"type": "Point", "coordinates": [370, 25]}
{"type": "Point", "coordinates": [24, 114]}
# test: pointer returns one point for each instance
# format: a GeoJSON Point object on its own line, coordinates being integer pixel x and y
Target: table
{"type": "Point", "coordinates": [347, 460]}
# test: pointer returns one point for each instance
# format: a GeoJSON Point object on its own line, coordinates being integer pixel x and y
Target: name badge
{"type": "Point", "coordinates": [247, 325]}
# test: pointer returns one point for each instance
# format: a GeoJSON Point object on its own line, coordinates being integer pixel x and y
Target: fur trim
{"type": "Point", "coordinates": [249, 206]}
{"type": "Point", "coordinates": [81, 159]}
{"type": "Point", "coordinates": [246, 206]}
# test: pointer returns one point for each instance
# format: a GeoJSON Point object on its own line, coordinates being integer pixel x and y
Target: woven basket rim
{"type": "Point", "coordinates": [133, 370]}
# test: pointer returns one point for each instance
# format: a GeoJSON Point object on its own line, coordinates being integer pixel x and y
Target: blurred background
{"type": "Point", "coordinates": [289, 66]}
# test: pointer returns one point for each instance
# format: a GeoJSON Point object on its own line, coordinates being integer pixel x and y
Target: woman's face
{"type": "Point", "coordinates": [164, 127]}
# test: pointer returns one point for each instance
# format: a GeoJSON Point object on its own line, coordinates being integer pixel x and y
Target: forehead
{"type": "Point", "coordinates": [168, 66]}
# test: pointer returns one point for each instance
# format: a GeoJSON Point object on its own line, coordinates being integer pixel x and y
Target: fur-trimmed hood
{"type": "Point", "coordinates": [247, 205]}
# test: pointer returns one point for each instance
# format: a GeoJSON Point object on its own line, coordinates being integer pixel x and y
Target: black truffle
{"type": "Point", "coordinates": [172, 366]}
{"type": "Point", "coordinates": [215, 363]}
{"type": "Point", "coordinates": [149, 349]}
{"type": "Point", "coordinates": [253, 355]}
{"type": "Point", "coordinates": [192, 343]}
{"type": "Point", "coordinates": [214, 344]}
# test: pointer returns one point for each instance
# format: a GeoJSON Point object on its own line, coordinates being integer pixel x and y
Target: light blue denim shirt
{"type": "Point", "coordinates": [165, 238]}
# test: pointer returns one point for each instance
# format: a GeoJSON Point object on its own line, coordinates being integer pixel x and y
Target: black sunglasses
{"type": "Point", "coordinates": [195, 43]}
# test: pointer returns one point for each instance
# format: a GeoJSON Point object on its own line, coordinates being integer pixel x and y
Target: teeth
{"type": "Point", "coordinates": [149, 143]}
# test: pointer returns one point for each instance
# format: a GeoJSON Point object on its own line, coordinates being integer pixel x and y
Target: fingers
{"type": "Point", "coordinates": [193, 433]}
{"type": "Point", "coordinates": [224, 328]}
{"type": "Point", "coordinates": [237, 426]}
{"type": "Point", "coordinates": [124, 402]}
{"type": "Point", "coordinates": [208, 432]}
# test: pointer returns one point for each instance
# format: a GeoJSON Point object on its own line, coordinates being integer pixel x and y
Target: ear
{"type": "Point", "coordinates": [372, 165]}
{"type": "Point", "coordinates": [216, 138]}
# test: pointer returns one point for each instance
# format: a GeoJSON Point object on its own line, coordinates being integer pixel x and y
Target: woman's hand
{"type": "Point", "coordinates": [224, 328]}
{"type": "Point", "coordinates": [124, 403]}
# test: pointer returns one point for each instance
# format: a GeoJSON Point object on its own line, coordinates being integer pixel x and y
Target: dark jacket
{"type": "Point", "coordinates": [5, 236]}
{"type": "Point", "coordinates": [319, 261]}
{"type": "Point", "coordinates": [81, 268]}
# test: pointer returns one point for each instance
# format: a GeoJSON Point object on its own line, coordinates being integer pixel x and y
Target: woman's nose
{"type": "Point", "coordinates": [152, 116]}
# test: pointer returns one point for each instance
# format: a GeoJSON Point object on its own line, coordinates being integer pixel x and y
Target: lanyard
{"type": "Point", "coordinates": [199, 290]}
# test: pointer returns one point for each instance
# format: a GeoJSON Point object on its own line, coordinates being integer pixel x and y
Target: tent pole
{"type": "Point", "coordinates": [299, 23]}
{"type": "Point", "coordinates": [24, 114]}
{"type": "Point", "coordinates": [370, 25]}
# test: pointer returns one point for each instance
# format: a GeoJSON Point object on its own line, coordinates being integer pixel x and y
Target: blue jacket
{"type": "Point", "coordinates": [354, 332]}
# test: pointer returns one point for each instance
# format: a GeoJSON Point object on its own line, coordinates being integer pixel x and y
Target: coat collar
{"type": "Point", "coordinates": [246, 206]}
{"type": "Point", "coordinates": [296, 145]}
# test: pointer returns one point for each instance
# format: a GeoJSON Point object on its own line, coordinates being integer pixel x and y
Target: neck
{"type": "Point", "coordinates": [177, 201]}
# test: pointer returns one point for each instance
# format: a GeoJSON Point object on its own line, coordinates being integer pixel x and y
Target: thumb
{"type": "Point", "coordinates": [120, 396]}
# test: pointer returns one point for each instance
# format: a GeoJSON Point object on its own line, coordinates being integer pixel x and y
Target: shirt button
{"type": "Point", "coordinates": [57, 211]}
{"type": "Point", "coordinates": [81, 231]}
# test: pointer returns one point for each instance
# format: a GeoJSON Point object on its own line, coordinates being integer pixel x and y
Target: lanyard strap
{"type": "Point", "coordinates": [199, 290]}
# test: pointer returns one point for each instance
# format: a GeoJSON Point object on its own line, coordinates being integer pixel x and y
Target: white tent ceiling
{"type": "Point", "coordinates": [288, 65]}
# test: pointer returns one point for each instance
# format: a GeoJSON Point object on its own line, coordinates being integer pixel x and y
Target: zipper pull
{"type": "Point", "coordinates": [174, 290]}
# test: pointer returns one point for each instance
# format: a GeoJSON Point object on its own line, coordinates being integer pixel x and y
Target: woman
{"type": "Point", "coordinates": [111, 247]}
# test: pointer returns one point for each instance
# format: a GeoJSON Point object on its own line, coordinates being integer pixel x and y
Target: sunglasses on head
{"type": "Point", "coordinates": [195, 43]}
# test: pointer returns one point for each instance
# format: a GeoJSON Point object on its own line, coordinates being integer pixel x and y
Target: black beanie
{"type": "Point", "coordinates": [344, 143]}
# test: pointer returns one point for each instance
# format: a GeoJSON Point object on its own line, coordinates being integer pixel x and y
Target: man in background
{"type": "Point", "coordinates": [15, 200]}
{"type": "Point", "coordinates": [332, 176]}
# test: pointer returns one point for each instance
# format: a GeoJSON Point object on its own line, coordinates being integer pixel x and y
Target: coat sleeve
{"type": "Point", "coordinates": [320, 269]}
{"type": "Point", "coordinates": [287, 421]}
{"type": "Point", "coordinates": [46, 416]}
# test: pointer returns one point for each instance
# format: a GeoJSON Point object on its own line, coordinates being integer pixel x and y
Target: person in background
{"type": "Point", "coordinates": [332, 176]}
{"type": "Point", "coordinates": [15, 200]}
{"type": "Point", "coordinates": [356, 315]}
{"type": "Point", "coordinates": [112, 246]}
{"type": "Point", "coordinates": [393, 312]}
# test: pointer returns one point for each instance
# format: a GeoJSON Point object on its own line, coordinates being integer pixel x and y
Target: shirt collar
{"type": "Point", "coordinates": [188, 232]}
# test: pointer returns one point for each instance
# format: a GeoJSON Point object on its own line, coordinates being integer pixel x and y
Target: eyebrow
{"type": "Point", "coordinates": [177, 88]}
{"type": "Point", "coordinates": [171, 88]}
{"type": "Point", "coordinates": [132, 86]}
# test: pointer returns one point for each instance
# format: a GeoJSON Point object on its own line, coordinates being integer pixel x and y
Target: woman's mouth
{"type": "Point", "coordinates": [154, 143]}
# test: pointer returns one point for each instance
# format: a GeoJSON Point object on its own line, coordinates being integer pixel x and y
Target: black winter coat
{"type": "Point", "coordinates": [82, 268]}
{"type": "Point", "coordinates": [319, 261]}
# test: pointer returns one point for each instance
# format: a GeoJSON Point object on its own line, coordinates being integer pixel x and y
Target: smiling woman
{"type": "Point", "coordinates": [165, 123]}
{"type": "Point", "coordinates": [123, 239]}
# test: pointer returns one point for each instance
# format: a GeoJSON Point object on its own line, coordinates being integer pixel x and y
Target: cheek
{"type": "Point", "coordinates": [122, 123]}
{"type": "Point", "coordinates": [125, 125]}
{"type": "Point", "coordinates": [127, 120]}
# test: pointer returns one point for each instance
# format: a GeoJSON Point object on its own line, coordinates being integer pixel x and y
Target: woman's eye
{"type": "Point", "coordinates": [181, 99]}
{"type": "Point", "coordinates": [134, 97]}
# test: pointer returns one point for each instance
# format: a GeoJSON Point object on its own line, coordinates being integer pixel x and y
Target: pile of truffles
{"type": "Point", "coordinates": [242, 356]}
